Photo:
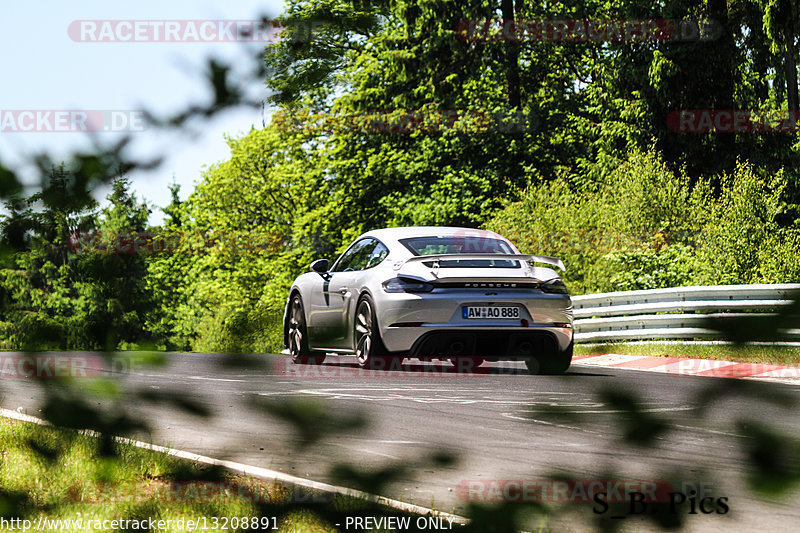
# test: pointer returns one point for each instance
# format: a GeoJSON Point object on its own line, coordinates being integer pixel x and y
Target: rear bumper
{"type": "Point", "coordinates": [503, 343]}
{"type": "Point", "coordinates": [417, 323]}
{"type": "Point", "coordinates": [488, 344]}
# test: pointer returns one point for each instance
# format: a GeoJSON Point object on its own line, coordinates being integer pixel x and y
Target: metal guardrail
{"type": "Point", "coordinates": [675, 313]}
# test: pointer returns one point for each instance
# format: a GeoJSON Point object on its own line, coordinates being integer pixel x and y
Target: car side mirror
{"type": "Point", "coordinates": [320, 266]}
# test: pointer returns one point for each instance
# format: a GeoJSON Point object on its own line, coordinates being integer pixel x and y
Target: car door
{"type": "Point", "coordinates": [344, 285]}
{"type": "Point", "coordinates": [373, 258]}
{"type": "Point", "coordinates": [329, 309]}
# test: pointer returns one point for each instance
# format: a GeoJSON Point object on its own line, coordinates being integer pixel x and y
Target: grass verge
{"type": "Point", "coordinates": [49, 474]}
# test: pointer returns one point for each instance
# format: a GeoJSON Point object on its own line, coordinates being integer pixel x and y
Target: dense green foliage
{"type": "Point", "coordinates": [386, 114]}
{"type": "Point", "coordinates": [647, 228]}
{"type": "Point", "coordinates": [562, 146]}
{"type": "Point", "coordinates": [55, 298]}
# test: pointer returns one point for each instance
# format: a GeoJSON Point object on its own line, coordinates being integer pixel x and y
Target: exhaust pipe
{"type": "Point", "coordinates": [525, 348]}
{"type": "Point", "coordinates": [456, 347]}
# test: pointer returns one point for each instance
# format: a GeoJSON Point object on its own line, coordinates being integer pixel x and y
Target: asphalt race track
{"type": "Point", "coordinates": [502, 424]}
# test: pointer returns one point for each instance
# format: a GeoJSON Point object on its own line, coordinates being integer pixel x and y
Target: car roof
{"type": "Point", "coordinates": [395, 234]}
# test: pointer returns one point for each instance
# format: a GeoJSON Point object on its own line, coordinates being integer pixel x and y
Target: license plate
{"type": "Point", "coordinates": [475, 311]}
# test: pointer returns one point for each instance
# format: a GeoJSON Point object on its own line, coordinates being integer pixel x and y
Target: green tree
{"type": "Point", "coordinates": [38, 282]}
{"type": "Point", "coordinates": [67, 287]}
{"type": "Point", "coordinates": [116, 281]}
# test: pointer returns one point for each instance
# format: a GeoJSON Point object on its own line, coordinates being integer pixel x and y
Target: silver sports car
{"type": "Point", "coordinates": [432, 293]}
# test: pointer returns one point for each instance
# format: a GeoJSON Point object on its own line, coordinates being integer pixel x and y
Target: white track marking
{"type": "Point", "coordinates": [266, 474]}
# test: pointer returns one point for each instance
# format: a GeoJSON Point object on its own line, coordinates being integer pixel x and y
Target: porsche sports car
{"type": "Point", "coordinates": [432, 293]}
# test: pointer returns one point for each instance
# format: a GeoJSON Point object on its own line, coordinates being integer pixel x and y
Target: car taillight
{"type": "Point", "coordinates": [406, 285]}
{"type": "Point", "coordinates": [554, 286]}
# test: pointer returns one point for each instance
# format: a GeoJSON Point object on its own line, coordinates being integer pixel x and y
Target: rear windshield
{"type": "Point", "coordinates": [462, 245]}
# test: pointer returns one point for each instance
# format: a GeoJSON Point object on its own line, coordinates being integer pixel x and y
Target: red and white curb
{"type": "Point", "coordinates": [693, 367]}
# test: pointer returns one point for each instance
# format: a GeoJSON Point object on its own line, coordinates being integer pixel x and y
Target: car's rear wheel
{"type": "Point", "coordinates": [298, 335]}
{"type": "Point", "coordinates": [370, 351]}
{"type": "Point", "coordinates": [556, 363]}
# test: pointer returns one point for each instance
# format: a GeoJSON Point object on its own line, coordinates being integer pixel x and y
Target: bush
{"type": "Point", "coordinates": [648, 202]}
{"type": "Point", "coordinates": [779, 258]}
{"type": "Point", "coordinates": [241, 330]}
{"type": "Point", "coordinates": [648, 228]}
{"type": "Point", "coordinates": [642, 203]}
{"type": "Point", "coordinates": [649, 268]}
{"type": "Point", "coordinates": [741, 240]}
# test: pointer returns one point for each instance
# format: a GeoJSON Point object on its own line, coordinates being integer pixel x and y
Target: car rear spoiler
{"type": "Point", "coordinates": [546, 259]}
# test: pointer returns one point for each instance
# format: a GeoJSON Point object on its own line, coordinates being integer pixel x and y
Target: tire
{"type": "Point", "coordinates": [297, 338]}
{"type": "Point", "coordinates": [369, 349]}
{"type": "Point", "coordinates": [557, 363]}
